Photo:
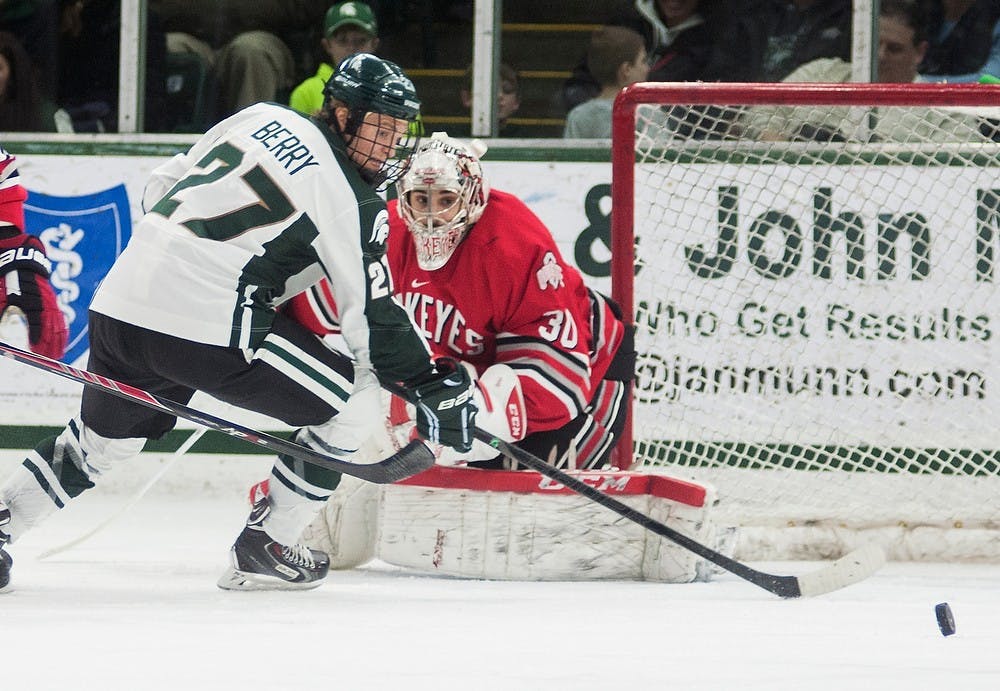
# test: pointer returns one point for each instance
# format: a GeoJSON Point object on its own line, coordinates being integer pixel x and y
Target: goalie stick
{"type": "Point", "coordinates": [850, 568]}
{"type": "Point", "coordinates": [413, 458]}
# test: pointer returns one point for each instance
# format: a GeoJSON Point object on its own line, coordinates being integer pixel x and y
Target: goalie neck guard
{"type": "Point", "coordinates": [442, 194]}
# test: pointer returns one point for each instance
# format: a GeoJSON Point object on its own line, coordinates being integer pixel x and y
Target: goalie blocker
{"type": "Point", "coordinates": [517, 525]}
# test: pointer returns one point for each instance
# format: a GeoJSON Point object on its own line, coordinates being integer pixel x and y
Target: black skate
{"type": "Point", "coordinates": [260, 563]}
{"type": "Point", "coordinates": [5, 560]}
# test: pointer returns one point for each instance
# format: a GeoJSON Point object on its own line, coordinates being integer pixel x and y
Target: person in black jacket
{"type": "Point", "coordinates": [681, 41]}
{"type": "Point", "coordinates": [89, 46]}
{"type": "Point", "coordinates": [767, 39]}
{"type": "Point", "coordinates": [964, 40]}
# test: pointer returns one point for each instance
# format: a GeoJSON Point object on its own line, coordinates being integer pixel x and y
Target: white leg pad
{"type": "Point", "coordinates": [519, 525]}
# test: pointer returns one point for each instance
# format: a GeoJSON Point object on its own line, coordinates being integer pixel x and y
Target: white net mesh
{"type": "Point", "coordinates": [816, 308]}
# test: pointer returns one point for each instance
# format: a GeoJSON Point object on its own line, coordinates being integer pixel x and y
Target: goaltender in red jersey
{"type": "Point", "coordinates": [483, 280]}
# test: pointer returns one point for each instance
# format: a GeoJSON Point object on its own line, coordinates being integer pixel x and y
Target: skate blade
{"type": "Point", "coordinates": [234, 579]}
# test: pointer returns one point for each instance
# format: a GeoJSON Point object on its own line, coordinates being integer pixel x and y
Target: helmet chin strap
{"type": "Point", "coordinates": [349, 133]}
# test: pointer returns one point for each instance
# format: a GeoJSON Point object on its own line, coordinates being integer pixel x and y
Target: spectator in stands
{"type": "Point", "coordinates": [616, 57]}
{"type": "Point", "coordinates": [902, 45]}
{"type": "Point", "coordinates": [508, 101]}
{"type": "Point", "coordinates": [35, 23]}
{"type": "Point", "coordinates": [964, 41]}
{"type": "Point", "coordinates": [681, 38]}
{"type": "Point", "coordinates": [22, 106]}
{"type": "Point", "coordinates": [348, 28]}
{"type": "Point", "coordinates": [246, 44]}
{"type": "Point", "coordinates": [767, 39]}
{"type": "Point", "coordinates": [89, 45]}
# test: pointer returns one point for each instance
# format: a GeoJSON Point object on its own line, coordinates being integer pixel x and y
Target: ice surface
{"type": "Point", "coordinates": [136, 608]}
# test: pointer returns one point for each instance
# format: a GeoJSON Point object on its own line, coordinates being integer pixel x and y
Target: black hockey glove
{"type": "Point", "coordinates": [445, 412]}
{"type": "Point", "coordinates": [24, 284]}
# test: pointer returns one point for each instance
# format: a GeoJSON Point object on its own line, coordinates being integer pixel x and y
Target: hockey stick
{"type": "Point", "coordinates": [850, 568]}
{"type": "Point", "coordinates": [181, 450]}
{"type": "Point", "coordinates": [413, 458]}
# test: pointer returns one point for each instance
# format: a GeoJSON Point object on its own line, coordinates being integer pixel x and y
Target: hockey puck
{"type": "Point", "coordinates": [945, 619]}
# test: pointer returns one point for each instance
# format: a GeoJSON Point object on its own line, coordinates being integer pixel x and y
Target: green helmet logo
{"type": "Point", "coordinates": [370, 84]}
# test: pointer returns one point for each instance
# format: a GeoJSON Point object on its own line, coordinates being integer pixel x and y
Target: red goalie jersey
{"type": "Point", "coordinates": [506, 296]}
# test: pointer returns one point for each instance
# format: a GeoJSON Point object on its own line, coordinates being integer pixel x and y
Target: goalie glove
{"type": "Point", "coordinates": [445, 413]}
{"type": "Point", "coordinates": [501, 406]}
{"type": "Point", "coordinates": [24, 284]}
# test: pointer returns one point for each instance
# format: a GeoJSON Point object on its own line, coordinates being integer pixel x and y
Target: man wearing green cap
{"type": "Point", "coordinates": [349, 28]}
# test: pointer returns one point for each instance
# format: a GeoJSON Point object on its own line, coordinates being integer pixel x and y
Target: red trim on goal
{"type": "Point", "coordinates": [623, 154]}
{"type": "Point", "coordinates": [614, 482]}
{"type": "Point", "coordinates": [739, 93]}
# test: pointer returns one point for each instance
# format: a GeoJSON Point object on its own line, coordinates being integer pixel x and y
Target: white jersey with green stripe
{"type": "Point", "coordinates": [260, 208]}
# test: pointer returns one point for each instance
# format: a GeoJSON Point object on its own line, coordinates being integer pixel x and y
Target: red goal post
{"type": "Point", "coordinates": [813, 291]}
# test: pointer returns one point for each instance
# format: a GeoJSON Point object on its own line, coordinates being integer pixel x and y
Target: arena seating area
{"type": "Point", "coordinates": [542, 39]}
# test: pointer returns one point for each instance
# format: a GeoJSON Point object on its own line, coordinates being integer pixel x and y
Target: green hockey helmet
{"type": "Point", "coordinates": [367, 83]}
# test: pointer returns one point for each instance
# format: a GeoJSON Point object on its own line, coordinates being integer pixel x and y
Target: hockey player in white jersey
{"type": "Point", "coordinates": [264, 205]}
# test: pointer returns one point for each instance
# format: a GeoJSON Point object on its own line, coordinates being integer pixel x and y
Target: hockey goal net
{"type": "Point", "coordinates": [812, 273]}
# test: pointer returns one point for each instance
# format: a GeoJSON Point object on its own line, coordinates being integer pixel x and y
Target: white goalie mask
{"type": "Point", "coordinates": [442, 164]}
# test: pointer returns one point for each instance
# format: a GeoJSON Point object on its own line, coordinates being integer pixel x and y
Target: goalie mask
{"type": "Point", "coordinates": [441, 195]}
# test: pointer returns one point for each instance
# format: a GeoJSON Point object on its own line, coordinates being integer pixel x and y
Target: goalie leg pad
{"type": "Point", "coordinates": [346, 528]}
{"type": "Point", "coordinates": [520, 525]}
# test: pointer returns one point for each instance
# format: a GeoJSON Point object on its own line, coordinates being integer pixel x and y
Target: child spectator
{"type": "Point", "coordinates": [348, 28]}
{"type": "Point", "coordinates": [616, 57]}
{"type": "Point", "coordinates": [681, 38]}
{"type": "Point", "coordinates": [508, 101]}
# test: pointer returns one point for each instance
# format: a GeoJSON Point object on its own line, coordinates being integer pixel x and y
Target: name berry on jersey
{"type": "Point", "coordinates": [286, 147]}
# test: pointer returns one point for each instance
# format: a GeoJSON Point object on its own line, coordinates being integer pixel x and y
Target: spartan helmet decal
{"type": "Point", "coordinates": [369, 83]}
{"type": "Point", "coordinates": [442, 164]}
